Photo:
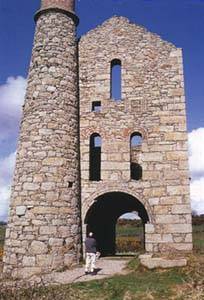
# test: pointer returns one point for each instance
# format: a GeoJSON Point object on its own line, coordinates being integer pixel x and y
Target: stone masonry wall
{"type": "Point", "coordinates": [153, 104]}
{"type": "Point", "coordinates": [43, 231]}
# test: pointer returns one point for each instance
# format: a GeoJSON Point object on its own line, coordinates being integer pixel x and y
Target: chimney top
{"type": "Point", "coordinates": [68, 5]}
{"type": "Point", "coordinates": [65, 6]}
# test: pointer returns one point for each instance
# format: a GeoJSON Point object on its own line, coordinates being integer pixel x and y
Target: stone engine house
{"type": "Point", "coordinates": [93, 147]}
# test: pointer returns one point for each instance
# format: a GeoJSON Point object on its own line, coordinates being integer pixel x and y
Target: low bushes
{"type": "Point", "coordinates": [1, 253]}
{"type": "Point", "coordinates": [125, 244]}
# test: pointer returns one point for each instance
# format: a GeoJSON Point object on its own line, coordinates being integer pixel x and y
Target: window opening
{"type": "Point", "coordinates": [136, 171]}
{"type": "Point", "coordinates": [70, 184]}
{"type": "Point", "coordinates": [136, 139]}
{"type": "Point", "coordinates": [96, 106]}
{"type": "Point", "coordinates": [116, 78]}
{"type": "Point", "coordinates": [95, 157]}
{"type": "Point", "coordinates": [135, 147]}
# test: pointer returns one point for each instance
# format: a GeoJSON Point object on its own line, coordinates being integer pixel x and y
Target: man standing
{"type": "Point", "coordinates": [90, 247]}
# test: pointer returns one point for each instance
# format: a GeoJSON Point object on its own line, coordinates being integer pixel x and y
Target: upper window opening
{"type": "Point", "coordinates": [97, 141]}
{"type": "Point", "coordinates": [96, 106]}
{"type": "Point", "coordinates": [136, 139]}
{"type": "Point", "coordinates": [116, 79]}
{"type": "Point", "coordinates": [95, 157]}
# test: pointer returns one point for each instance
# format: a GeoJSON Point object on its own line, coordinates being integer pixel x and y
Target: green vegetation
{"type": "Point", "coordinates": [2, 234]}
{"type": "Point", "coordinates": [136, 284]}
{"type": "Point", "coordinates": [129, 236]}
{"type": "Point", "coordinates": [173, 284]}
{"type": "Point", "coordinates": [178, 283]}
{"type": "Point", "coordinates": [198, 238]}
{"type": "Point", "coordinates": [129, 228]}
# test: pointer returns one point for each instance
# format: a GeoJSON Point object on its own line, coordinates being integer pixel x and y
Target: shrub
{"type": "Point", "coordinates": [1, 253]}
{"type": "Point", "coordinates": [128, 244]}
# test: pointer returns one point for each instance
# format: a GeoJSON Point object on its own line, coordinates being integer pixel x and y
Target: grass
{"type": "Point", "coordinates": [136, 283]}
{"type": "Point", "coordinates": [139, 283]}
{"type": "Point", "coordinates": [198, 238]}
{"type": "Point", "coordinates": [174, 284]}
{"type": "Point", "coordinates": [128, 228]}
{"type": "Point", "coordinates": [2, 234]}
{"type": "Point", "coordinates": [129, 237]}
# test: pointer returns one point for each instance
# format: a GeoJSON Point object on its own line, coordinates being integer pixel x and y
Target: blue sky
{"type": "Point", "coordinates": [178, 21]}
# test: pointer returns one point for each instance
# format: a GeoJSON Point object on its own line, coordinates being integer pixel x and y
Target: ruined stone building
{"type": "Point", "coordinates": [86, 155]}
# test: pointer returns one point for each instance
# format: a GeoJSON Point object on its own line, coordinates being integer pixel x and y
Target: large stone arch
{"type": "Point", "coordinates": [103, 213]}
{"type": "Point", "coordinates": [89, 201]}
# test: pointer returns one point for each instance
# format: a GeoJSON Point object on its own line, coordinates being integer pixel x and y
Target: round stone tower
{"type": "Point", "coordinates": [43, 231]}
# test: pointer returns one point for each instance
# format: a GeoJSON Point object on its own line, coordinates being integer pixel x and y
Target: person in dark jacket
{"type": "Point", "coordinates": [91, 249]}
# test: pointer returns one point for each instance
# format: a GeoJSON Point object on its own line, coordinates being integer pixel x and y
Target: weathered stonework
{"type": "Point", "coordinates": [44, 221]}
{"type": "Point", "coordinates": [63, 4]}
{"type": "Point", "coordinates": [152, 104]}
{"type": "Point", "coordinates": [44, 229]}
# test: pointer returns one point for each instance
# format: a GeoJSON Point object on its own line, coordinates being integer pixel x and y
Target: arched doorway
{"type": "Point", "coordinates": [102, 216]}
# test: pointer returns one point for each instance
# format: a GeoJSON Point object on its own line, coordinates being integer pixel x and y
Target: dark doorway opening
{"type": "Point", "coordinates": [102, 217]}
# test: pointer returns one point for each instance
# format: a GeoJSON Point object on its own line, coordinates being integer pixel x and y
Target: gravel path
{"type": "Point", "coordinates": [106, 267]}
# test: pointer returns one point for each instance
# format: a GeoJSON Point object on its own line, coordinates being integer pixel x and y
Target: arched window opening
{"type": "Point", "coordinates": [136, 139]}
{"type": "Point", "coordinates": [135, 148]}
{"type": "Point", "coordinates": [129, 234]}
{"type": "Point", "coordinates": [116, 78]}
{"type": "Point", "coordinates": [95, 157]}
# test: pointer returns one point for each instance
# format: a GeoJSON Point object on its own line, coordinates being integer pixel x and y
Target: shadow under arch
{"type": "Point", "coordinates": [103, 214]}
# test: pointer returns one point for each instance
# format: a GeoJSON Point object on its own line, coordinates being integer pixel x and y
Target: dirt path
{"type": "Point", "coordinates": [106, 267]}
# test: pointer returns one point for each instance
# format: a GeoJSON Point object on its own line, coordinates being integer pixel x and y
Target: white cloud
{"type": "Point", "coordinates": [133, 216]}
{"type": "Point", "coordinates": [6, 168]}
{"type": "Point", "coordinates": [197, 195]}
{"type": "Point", "coordinates": [4, 202]}
{"type": "Point", "coordinates": [6, 172]}
{"type": "Point", "coordinates": [196, 161]}
{"type": "Point", "coordinates": [196, 152]}
{"type": "Point", "coordinates": [12, 95]}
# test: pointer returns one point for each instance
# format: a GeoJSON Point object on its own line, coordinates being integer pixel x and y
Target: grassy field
{"type": "Point", "coordinates": [129, 237]}
{"type": "Point", "coordinates": [129, 228]}
{"type": "Point", "coordinates": [178, 283]}
{"type": "Point", "coordinates": [2, 234]}
{"type": "Point", "coordinates": [175, 284]}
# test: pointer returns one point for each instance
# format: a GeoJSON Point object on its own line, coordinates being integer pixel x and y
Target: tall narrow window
{"type": "Point", "coordinates": [116, 79]}
{"type": "Point", "coordinates": [135, 148]}
{"type": "Point", "coordinates": [95, 157]}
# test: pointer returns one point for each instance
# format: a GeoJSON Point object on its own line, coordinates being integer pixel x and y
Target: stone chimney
{"type": "Point", "coordinates": [44, 227]}
{"type": "Point", "coordinates": [65, 6]}
{"type": "Point", "coordinates": [68, 5]}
